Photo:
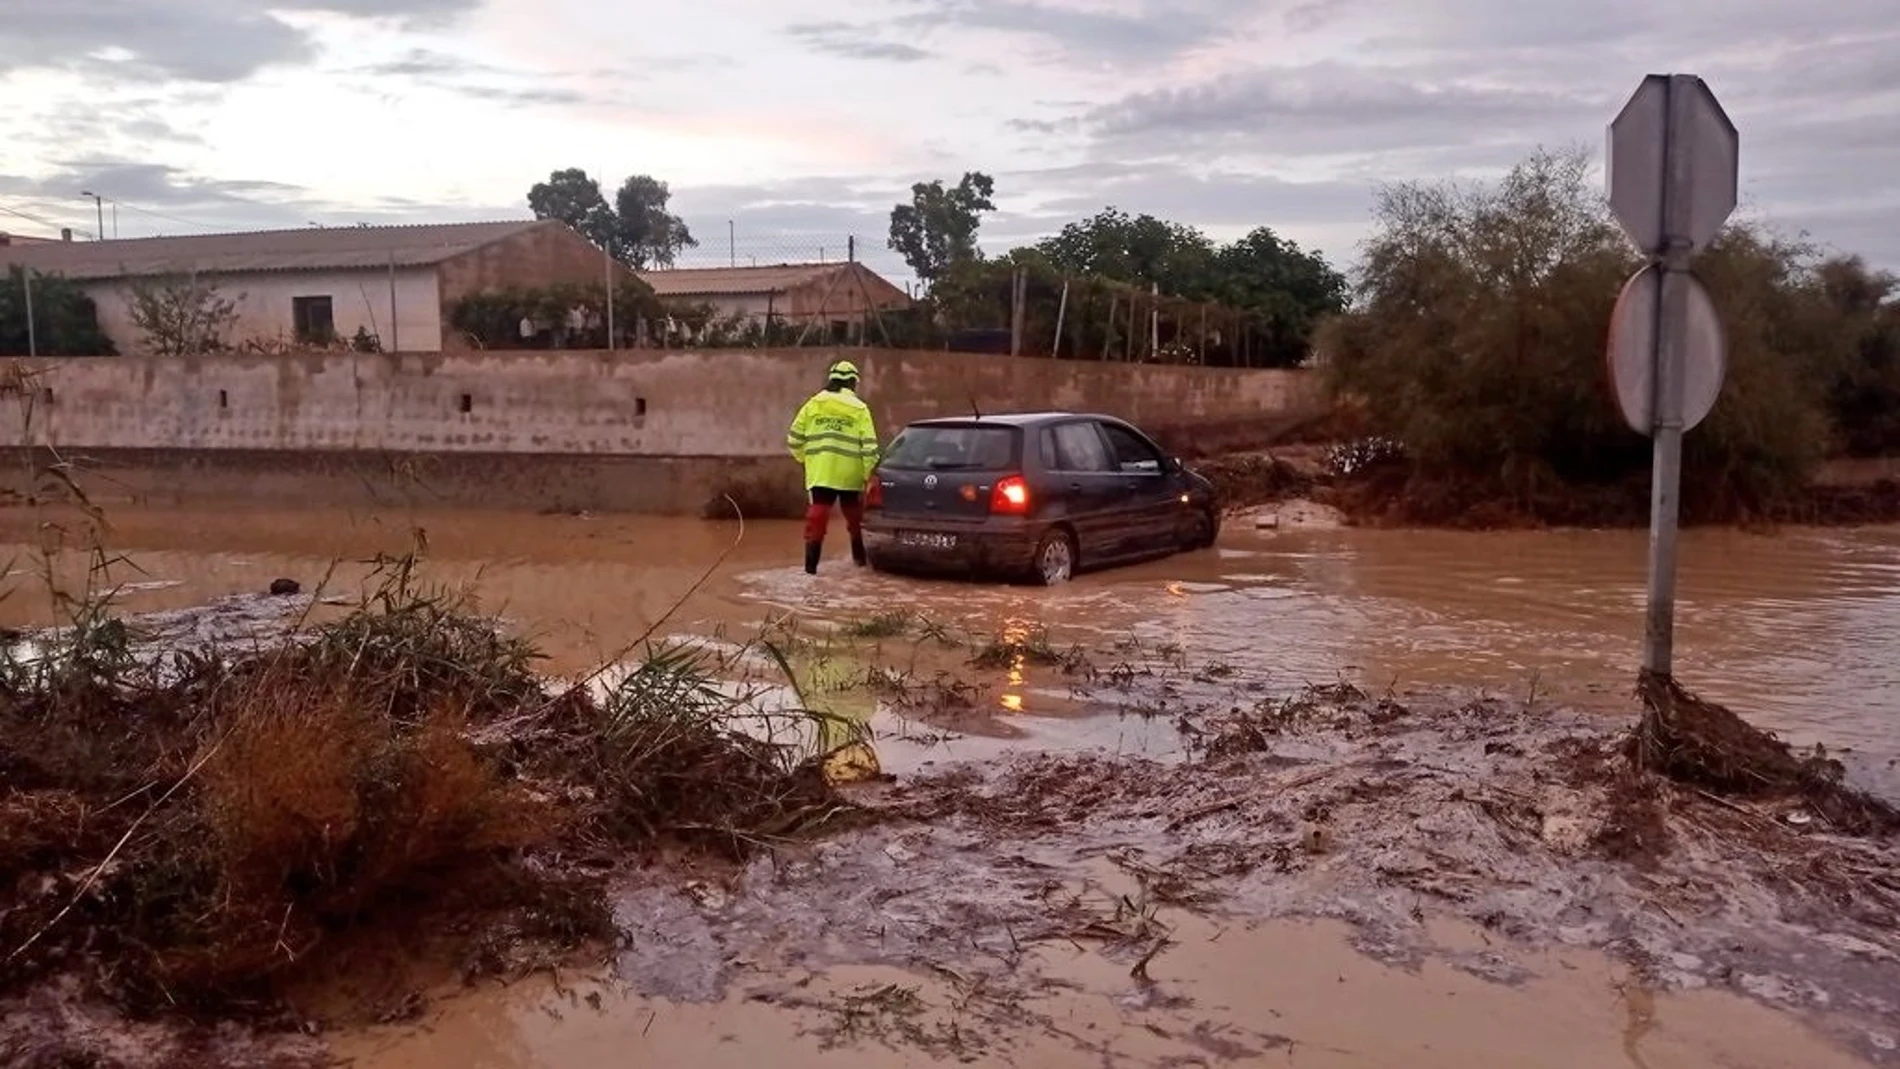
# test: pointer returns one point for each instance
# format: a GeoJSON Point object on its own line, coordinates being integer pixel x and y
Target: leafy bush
{"type": "Point", "coordinates": [492, 318]}
{"type": "Point", "coordinates": [65, 320]}
{"type": "Point", "coordinates": [1477, 343]}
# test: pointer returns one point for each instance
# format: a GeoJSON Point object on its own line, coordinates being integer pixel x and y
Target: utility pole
{"type": "Point", "coordinates": [99, 207]}
{"type": "Point", "coordinates": [732, 244]}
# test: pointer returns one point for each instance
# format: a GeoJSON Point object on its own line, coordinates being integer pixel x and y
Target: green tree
{"type": "Point", "coordinates": [1289, 290]}
{"type": "Point", "coordinates": [1136, 250]}
{"type": "Point", "coordinates": [636, 229]}
{"type": "Point", "coordinates": [1864, 379]}
{"type": "Point", "coordinates": [1286, 290]}
{"type": "Point", "coordinates": [182, 316]}
{"type": "Point", "coordinates": [65, 321]}
{"type": "Point", "coordinates": [575, 199]}
{"type": "Point", "coordinates": [645, 233]}
{"type": "Point", "coordinates": [1477, 343]}
{"type": "Point", "coordinates": [937, 230]}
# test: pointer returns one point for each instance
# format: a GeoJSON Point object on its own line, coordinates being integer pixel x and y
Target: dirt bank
{"type": "Point", "coordinates": [1375, 490]}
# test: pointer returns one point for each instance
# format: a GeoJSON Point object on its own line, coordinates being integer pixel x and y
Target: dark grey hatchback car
{"type": "Point", "coordinates": [1037, 496]}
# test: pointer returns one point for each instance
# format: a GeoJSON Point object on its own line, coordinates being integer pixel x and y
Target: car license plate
{"type": "Point", "coordinates": [927, 540]}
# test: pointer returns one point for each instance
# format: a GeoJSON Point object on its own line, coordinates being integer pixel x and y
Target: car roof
{"type": "Point", "coordinates": [1009, 419]}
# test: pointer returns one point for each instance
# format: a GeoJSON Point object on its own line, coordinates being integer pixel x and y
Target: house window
{"type": "Point", "coordinates": [312, 319]}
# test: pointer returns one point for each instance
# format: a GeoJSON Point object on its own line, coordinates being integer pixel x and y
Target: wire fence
{"type": "Point", "coordinates": [1032, 313]}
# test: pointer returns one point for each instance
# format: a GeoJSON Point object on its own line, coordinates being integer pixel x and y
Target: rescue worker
{"type": "Point", "coordinates": [834, 437]}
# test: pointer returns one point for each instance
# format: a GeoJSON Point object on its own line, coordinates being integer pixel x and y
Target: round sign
{"type": "Point", "coordinates": [1632, 350]}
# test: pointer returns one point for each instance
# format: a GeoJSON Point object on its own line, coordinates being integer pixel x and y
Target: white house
{"type": "Point", "coordinates": [397, 283]}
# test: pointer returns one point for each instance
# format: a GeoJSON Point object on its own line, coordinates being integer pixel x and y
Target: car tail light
{"type": "Point", "coordinates": [1010, 496]}
{"type": "Point", "coordinates": [874, 491]}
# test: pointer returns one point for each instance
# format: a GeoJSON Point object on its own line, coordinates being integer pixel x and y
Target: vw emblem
{"type": "Point", "coordinates": [930, 482]}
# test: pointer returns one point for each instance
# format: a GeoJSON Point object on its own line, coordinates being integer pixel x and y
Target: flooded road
{"type": "Point", "coordinates": [912, 943]}
{"type": "Point", "coordinates": [1800, 631]}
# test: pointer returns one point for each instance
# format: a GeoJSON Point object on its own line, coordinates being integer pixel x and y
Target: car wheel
{"type": "Point", "coordinates": [1054, 561]}
{"type": "Point", "coordinates": [1203, 531]}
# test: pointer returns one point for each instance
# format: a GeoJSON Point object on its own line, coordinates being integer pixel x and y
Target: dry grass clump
{"type": "Point", "coordinates": [194, 831]}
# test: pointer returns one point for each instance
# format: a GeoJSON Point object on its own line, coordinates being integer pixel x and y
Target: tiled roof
{"type": "Point", "coordinates": [310, 249]}
{"type": "Point", "coordinates": [710, 281]}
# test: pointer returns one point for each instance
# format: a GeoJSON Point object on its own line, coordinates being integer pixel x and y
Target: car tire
{"type": "Point", "coordinates": [1204, 530]}
{"type": "Point", "coordinates": [1054, 559]}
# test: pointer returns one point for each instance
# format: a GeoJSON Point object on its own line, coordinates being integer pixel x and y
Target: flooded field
{"type": "Point", "coordinates": [1137, 821]}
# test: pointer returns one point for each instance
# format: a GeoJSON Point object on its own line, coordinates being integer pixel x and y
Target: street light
{"type": "Point", "coordinates": [99, 203]}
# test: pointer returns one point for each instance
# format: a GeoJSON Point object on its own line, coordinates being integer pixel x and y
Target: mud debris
{"type": "Point", "coordinates": [1702, 744]}
{"type": "Point", "coordinates": [1384, 813]}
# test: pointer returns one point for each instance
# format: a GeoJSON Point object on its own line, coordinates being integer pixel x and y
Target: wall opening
{"type": "Point", "coordinates": [224, 399]}
{"type": "Point", "coordinates": [313, 320]}
{"type": "Point", "coordinates": [46, 395]}
{"type": "Point", "coordinates": [639, 406]}
{"type": "Point", "coordinates": [467, 403]}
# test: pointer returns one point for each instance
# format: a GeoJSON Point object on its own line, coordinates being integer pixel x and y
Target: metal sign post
{"type": "Point", "coordinates": [1673, 165]}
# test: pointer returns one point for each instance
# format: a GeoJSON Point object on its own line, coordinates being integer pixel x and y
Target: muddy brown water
{"type": "Point", "coordinates": [1799, 630]}
{"type": "Point", "coordinates": [1281, 994]}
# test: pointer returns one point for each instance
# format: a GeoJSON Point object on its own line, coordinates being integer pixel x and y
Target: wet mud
{"type": "Point", "coordinates": [1338, 879]}
{"type": "Point", "coordinates": [1120, 824]}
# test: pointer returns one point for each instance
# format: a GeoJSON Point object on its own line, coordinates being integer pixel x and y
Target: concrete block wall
{"type": "Point", "coordinates": [720, 407]}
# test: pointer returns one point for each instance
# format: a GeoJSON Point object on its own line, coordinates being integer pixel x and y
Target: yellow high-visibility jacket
{"type": "Point", "coordinates": [835, 438]}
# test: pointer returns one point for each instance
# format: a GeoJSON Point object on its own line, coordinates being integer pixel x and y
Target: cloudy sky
{"type": "Point", "coordinates": [802, 121]}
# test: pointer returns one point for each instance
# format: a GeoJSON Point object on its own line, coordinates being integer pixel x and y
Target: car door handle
{"type": "Point", "coordinates": [1077, 487]}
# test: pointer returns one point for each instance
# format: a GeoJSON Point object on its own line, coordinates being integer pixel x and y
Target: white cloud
{"type": "Point", "coordinates": [803, 122]}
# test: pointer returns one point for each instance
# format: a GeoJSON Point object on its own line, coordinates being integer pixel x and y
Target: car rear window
{"type": "Point", "coordinates": [952, 448]}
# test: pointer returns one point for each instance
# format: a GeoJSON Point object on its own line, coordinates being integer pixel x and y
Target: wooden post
{"type": "Point", "coordinates": [1062, 310]}
{"type": "Point", "coordinates": [1018, 286]}
{"type": "Point", "coordinates": [1108, 332]}
{"type": "Point", "coordinates": [1203, 335]}
{"type": "Point", "coordinates": [1154, 321]}
{"type": "Point", "coordinates": [1128, 349]}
